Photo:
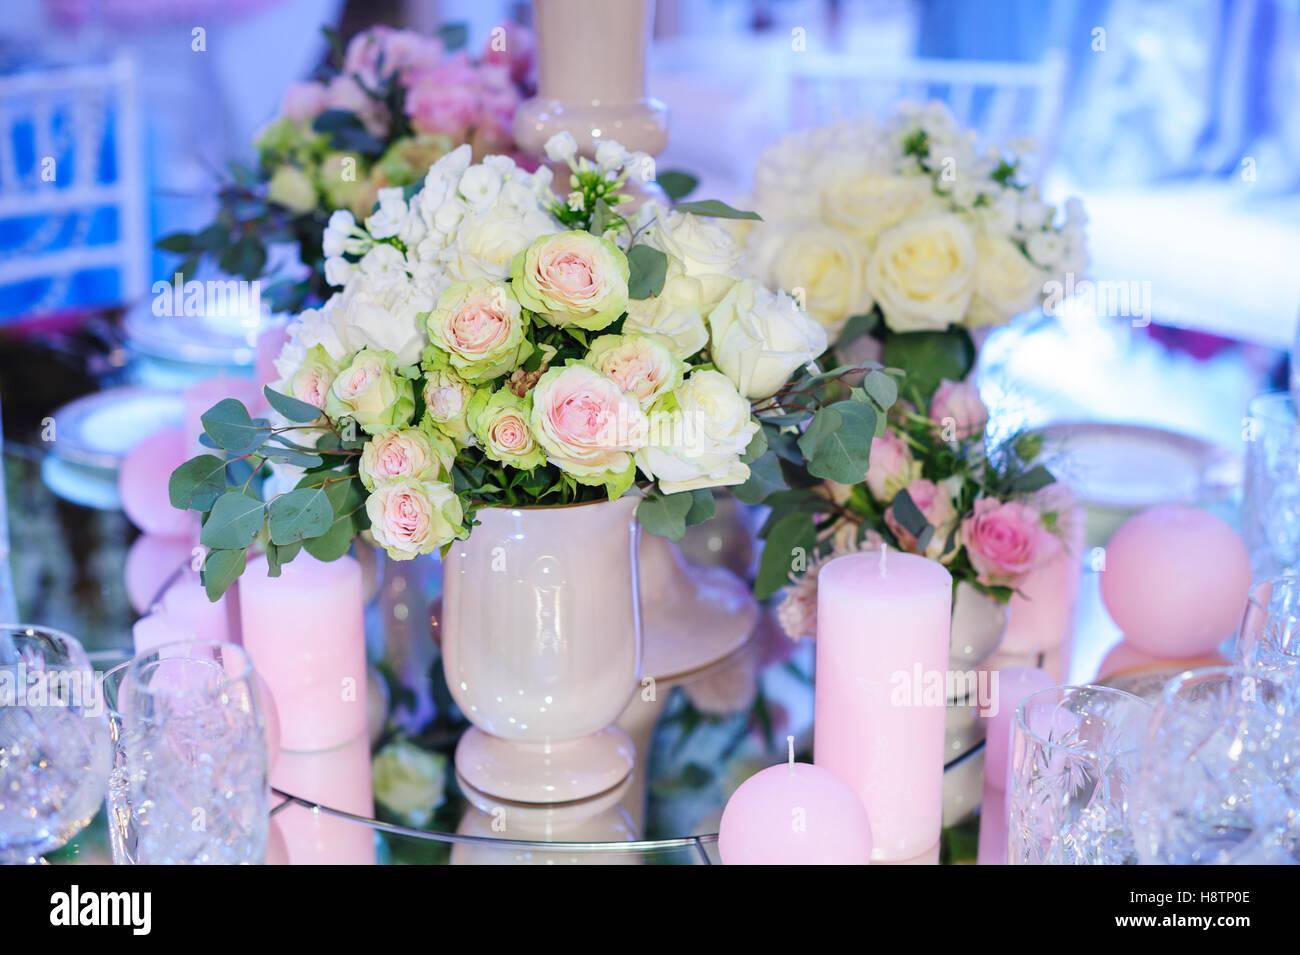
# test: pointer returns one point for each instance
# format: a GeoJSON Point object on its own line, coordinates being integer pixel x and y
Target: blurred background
{"type": "Point", "coordinates": [1175, 121]}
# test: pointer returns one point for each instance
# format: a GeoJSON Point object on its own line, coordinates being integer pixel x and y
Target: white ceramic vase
{"type": "Point", "coordinates": [541, 642]}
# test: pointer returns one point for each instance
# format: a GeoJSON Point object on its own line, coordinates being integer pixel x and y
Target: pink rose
{"type": "Point", "coordinates": [892, 467]}
{"type": "Point", "coordinates": [409, 518]}
{"type": "Point", "coordinates": [936, 506]}
{"type": "Point", "coordinates": [382, 51]}
{"type": "Point", "coordinates": [479, 325]}
{"type": "Point", "coordinates": [586, 423]}
{"type": "Point", "coordinates": [1004, 540]}
{"type": "Point", "coordinates": [957, 405]}
{"type": "Point", "coordinates": [345, 93]}
{"type": "Point", "coordinates": [404, 453]}
{"type": "Point", "coordinates": [303, 102]}
{"type": "Point", "coordinates": [444, 99]}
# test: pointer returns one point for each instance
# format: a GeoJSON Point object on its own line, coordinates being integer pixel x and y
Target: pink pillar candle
{"type": "Point", "coordinates": [203, 395]}
{"type": "Point", "coordinates": [883, 628]}
{"type": "Point", "coordinates": [1041, 612]}
{"type": "Point", "coordinates": [188, 602]}
{"type": "Point", "coordinates": [1014, 684]}
{"type": "Point", "coordinates": [340, 779]}
{"type": "Point", "coordinates": [304, 632]}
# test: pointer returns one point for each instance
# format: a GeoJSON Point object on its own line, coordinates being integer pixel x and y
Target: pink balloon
{"type": "Point", "coordinates": [151, 560]}
{"type": "Point", "coordinates": [1176, 581]}
{"type": "Point", "coordinates": [794, 814]}
{"type": "Point", "coordinates": [142, 484]}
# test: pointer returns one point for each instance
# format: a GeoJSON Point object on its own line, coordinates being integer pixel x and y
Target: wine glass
{"type": "Point", "coordinates": [1269, 639]}
{"type": "Point", "coordinates": [1218, 782]}
{"type": "Point", "coordinates": [194, 754]}
{"type": "Point", "coordinates": [1073, 756]}
{"type": "Point", "coordinates": [55, 751]}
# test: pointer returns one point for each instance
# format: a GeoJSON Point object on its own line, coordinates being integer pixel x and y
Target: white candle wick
{"type": "Point", "coordinates": [884, 552]}
{"type": "Point", "coordinates": [789, 742]}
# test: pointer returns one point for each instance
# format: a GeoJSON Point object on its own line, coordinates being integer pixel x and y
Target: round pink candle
{"type": "Point", "coordinates": [794, 814]}
{"type": "Point", "coordinates": [883, 622]}
{"type": "Point", "coordinates": [304, 632]}
{"type": "Point", "coordinates": [1014, 684]}
{"type": "Point", "coordinates": [203, 395]}
{"type": "Point", "coordinates": [142, 484]}
{"type": "Point", "coordinates": [1176, 581]}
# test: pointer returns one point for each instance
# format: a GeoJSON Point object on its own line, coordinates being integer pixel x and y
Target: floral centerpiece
{"type": "Point", "coordinates": [935, 487]}
{"type": "Point", "coordinates": [900, 238]}
{"type": "Point", "coordinates": [495, 345]}
{"type": "Point", "coordinates": [377, 116]}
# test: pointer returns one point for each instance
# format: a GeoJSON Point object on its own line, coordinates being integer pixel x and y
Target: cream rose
{"type": "Point", "coordinates": [760, 338]}
{"type": "Point", "coordinates": [372, 393]}
{"type": "Point", "coordinates": [677, 313]}
{"type": "Point", "coordinates": [500, 421]}
{"type": "Point", "coordinates": [478, 327]}
{"type": "Point", "coordinates": [404, 454]}
{"type": "Point", "coordinates": [409, 518]}
{"type": "Point", "coordinates": [311, 381]}
{"type": "Point", "coordinates": [487, 242]}
{"type": "Point", "coordinates": [1006, 282]}
{"type": "Point", "coordinates": [698, 443]}
{"type": "Point", "coordinates": [586, 423]}
{"type": "Point", "coordinates": [446, 398]}
{"type": "Point", "coordinates": [573, 278]}
{"type": "Point", "coordinates": [922, 273]}
{"type": "Point", "coordinates": [642, 365]}
{"type": "Point", "coordinates": [817, 265]}
{"type": "Point", "coordinates": [381, 311]}
{"type": "Point", "coordinates": [864, 203]}
{"type": "Point", "coordinates": [409, 781]}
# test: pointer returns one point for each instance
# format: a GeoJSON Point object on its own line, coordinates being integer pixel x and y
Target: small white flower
{"type": "Point", "coordinates": [338, 270]}
{"type": "Point", "coordinates": [612, 156]}
{"type": "Point", "coordinates": [386, 221]}
{"type": "Point", "coordinates": [575, 201]}
{"type": "Point", "coordinates": [480, 185]}
{"type": "Point", "coordinates": [561, 147]}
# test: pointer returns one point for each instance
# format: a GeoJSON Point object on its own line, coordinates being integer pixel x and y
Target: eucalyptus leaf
{"type": "Point", "coordinates": [703, 506]}
{"type": "Point", "coordinates": [837, 443]}
{"type": "Point", "coordinates": [788, 549]}
{"type": "Point", "coordinates": [1035, 479]}
{"type": "Point", "coordinates": [715, 209]}
{"type": "Point", "coordinates": [234, 521]}
{"type": "Point", "coordinates": [220, 569]}
{"type": "Point", "coordinates": [764, 479]}
{"type": "Point", "coordinates": [647, 269]}
{"type": "Point", "coordinates": [664, 515]}
{"type": "Point", "coordinates": [298, 515]}
{"type": "Point", "coordinates": [231, 428]}
{"type": "Point", "coordinates": [909, 516]}
{"type": "Point", "coordinates": [297, 412]}
{"type": "Point", "coordinates": [676, 184]}
{"type": "Point", "coordinates": [929, 357]}
{"type": "Point", "coordinates": [196, 484]}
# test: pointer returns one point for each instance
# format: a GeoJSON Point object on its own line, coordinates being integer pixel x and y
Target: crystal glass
{"type": "Point", "coordinates": [1269, 640]}
{"type": "Point", "coordinates": [194, 754]}
{"type": "Point", "coordinates": [54, 741]}
{"type": "Point", "coordinates": [1074, 753]}
{"type": "Point", "coordinates": [1271, 508]}
{"type": "Point", "coordinates": [1218, 778]}
{"type": "Point", "coordinates": [117, 799]}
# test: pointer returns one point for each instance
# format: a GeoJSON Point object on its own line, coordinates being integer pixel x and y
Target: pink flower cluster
{"type": "Point", "coordinates": [446, 94]}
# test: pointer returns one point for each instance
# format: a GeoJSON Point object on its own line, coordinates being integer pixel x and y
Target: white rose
{"type": "Point", "coordinates": [316, 326]}
{"type": "Point", "coordinates": [700, 442]}
{"type": "Point", "coordinates": [382, 312]}
{"type": "Point", "coordinates": [1006, 283]}
{"type": "Point", "coordinates": [863, 202]}
{"type": "Point", "coordinates": [760, 338]}
{"type": "Point", "coordinates": [487, 242]}
{"type": "Point", "coordinates": [677, 312]}
{"type": "Point", "coordinates": [701, 246]}
{"type": "Point", "coordinates": [408, 781]}
{"type": "Point", "coordinates": [922, 273]}
{"type": "Point", "coordinates": [815, 263]}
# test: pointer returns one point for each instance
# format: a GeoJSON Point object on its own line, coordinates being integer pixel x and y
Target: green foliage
{"type": "Point", "coordinates": [929, 357]}
{"type": "Point", "coordinates": [676, 184]}
{"type": "Point", "coordinates": [715, 209]}
{"type": "Point", "coordinates": [647, 269]}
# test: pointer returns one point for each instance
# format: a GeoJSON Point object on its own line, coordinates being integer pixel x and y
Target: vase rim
{"type": "Point", "coordinates": [553, 507]}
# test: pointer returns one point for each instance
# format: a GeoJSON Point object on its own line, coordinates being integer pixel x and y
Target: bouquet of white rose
{"type": "Point", "coordinates": [900, 237]}
{"type": "Point", "coordinates": [493, 345]}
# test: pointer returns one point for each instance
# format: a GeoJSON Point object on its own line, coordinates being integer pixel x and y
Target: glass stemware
{"type": "Point", "coordinates": [1073, 757]}
{"type": "Point", "coordinates": [1269, 639]}
{"type": "Point", "coordinates": [54, 742]}
{"type": "Point", "coordinates": [194, 755]}
{"type": "Point", "coordinates": [1271, 506]}
{"type": "Point", "coordinates": [1219, 773]}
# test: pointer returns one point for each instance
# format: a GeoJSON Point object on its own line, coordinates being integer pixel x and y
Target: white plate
{"type": "Point", "coordinates": [1132, 467]}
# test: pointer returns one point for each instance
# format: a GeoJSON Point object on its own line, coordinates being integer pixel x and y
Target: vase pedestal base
{"type": "Point", "coordinates": [545, 773]}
